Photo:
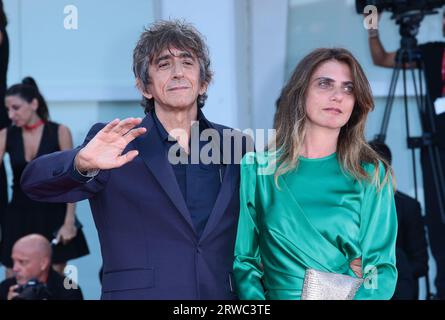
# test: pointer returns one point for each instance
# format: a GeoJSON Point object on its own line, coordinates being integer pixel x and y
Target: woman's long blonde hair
{"type": "Point", "coordinates": [290, 119]}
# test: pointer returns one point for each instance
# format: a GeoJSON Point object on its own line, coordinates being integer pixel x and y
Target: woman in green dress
{"type": "Point", "coordinates": [319, 197]}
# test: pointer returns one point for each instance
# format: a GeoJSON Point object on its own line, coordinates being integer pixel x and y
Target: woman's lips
{"type": "Point", "coordinates": [333, 110]}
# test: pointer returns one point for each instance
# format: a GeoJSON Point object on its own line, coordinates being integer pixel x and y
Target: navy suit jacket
{"type": "Point", "coordinates": [149, 246]}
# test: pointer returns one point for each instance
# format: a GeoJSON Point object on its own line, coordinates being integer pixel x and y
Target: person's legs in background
{"type": "Point", "coordinates": [436, 228]}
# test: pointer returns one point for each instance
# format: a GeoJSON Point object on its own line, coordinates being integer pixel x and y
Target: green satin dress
{"type": "Point", "coordinates": [318, 218]}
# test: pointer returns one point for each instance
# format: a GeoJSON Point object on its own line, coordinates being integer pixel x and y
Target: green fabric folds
{"type": "Point", "coordinates": [319, 218]}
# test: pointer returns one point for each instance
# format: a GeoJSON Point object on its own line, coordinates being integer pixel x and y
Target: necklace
{"type": "Point", "coordinates": [33, 126]}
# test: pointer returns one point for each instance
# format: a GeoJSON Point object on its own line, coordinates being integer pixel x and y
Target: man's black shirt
{"type": "Point", "coordinates": [199, 183]}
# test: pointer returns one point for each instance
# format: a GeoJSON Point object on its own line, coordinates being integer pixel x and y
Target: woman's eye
{"type": "Point", "coordinates": [323, 84]}
{"type": "Point", "coordinates": [349, 89]}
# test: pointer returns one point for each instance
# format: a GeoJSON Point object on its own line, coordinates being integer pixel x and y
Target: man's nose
{"type": "Point", "coordinates": [178, 70]}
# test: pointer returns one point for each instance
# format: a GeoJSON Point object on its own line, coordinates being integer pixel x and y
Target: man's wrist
{"type": "Point", "coordinates": [79, 163]}
{"type": "Point", "coordinates": [373, 33]}
{"type": "Point", "coordinates": [83, 171]}
{"type": "Point", "coordinates": [70, 221]}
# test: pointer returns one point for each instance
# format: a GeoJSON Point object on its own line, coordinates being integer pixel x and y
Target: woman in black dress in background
{"type": "Point", "coordinates": [33, 135]}
{"type": "Point", "coordinates": [4, 120]}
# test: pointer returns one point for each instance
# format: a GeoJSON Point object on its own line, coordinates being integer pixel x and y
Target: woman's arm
{"type": "Point", "coordinates": [378, 234]}
{"type": "Point", "coordinates": [68, 230]}
{"type": "Point", "coordinates": [2, 143]}
{"type": "Point", "coordinates": [52, 177]}
{"type": "Point", "coordinates": [65, 138]}
{"type": "Point", "coordinates": [247, 267]}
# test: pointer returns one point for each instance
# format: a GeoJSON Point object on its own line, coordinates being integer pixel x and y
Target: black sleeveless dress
{"type": "Point", "coordinates": [4, 120]}
{"type": "Point", "coordinates": [23, 215]}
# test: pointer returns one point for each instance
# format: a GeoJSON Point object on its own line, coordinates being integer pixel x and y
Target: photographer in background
{"type": "Point", "coordinates": [433, 56]}
{"type": "Point", "coordinates": [34, 279]}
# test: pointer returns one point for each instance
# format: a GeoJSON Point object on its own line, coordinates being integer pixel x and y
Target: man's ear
{"type": "Point", "coordinates": [203, 88]}
{"type": "Point", "coordinates": [145, 91]}
{"type": "Point", "coordinates": [45, 263]}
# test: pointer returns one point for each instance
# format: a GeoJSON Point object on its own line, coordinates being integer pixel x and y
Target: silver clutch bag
{"type": "Point", "coordinates": [319, 285]}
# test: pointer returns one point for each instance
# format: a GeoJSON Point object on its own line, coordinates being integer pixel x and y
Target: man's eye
{"type": "Point", "coordinates": [163, 65]}
{"type": "Point", "coordinates": [188, 62]}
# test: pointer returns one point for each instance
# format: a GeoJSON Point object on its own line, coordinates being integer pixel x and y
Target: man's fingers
{"type": "Point", "coordinates": [11, 292]}
{"type": "Point", "coordinates": [122, 125]}
{"type": "Point", "coordinates": [14, 287]}
{"type": "Point", "coordinates": [133, 134]}
{"type": "Point", "coordinates": [133, 123]}
{"type": "Point", "coordinates": [126, 125]}
{"type": "Point", "coordinates": [129, 156]}
{"type": "Point", "coordinates": [110, 126]}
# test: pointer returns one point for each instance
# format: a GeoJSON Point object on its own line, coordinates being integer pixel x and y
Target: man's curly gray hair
{"type": "Point", "coordinates": [163, 35]}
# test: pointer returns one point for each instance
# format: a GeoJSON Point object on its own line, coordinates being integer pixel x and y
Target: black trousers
{"type": "Point", "coordinates": [436, 228]}
{"type": "Point", "coordinates": [3, 194]}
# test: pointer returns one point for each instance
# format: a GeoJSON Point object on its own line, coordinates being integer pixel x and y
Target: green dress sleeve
{"type": "Point", "coordinates": [247, 267]}
{"type": "Point", "coordinates": [377, 239]}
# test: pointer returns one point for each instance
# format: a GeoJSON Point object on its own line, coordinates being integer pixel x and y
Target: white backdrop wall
{"type": "Point", "coordinates": [86, 76]}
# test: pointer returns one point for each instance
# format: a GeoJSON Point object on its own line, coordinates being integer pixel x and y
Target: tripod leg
{"type": "Point", "coordinates": [388, 107]}
{"type": "Point", "coordinates": [434, 157]}
{"type": "Point", "coordinates": [440, 182]}
{"type": "Point", "coordinates": [413, 154]}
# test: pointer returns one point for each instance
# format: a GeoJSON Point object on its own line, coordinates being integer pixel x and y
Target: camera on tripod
{"type": "Point", "coordinates": [32, 290]}
{"type": "Point", "coordinates": [408, 14]}
{"type": "Point", "coordinates": [398, 7]}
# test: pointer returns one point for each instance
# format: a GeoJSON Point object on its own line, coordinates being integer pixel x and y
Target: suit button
{"type": "Point", "coordinates": [57, 171]}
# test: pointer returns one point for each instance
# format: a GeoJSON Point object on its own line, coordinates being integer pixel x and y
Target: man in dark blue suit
{"type": "Point", "coordinates": [166, 216]}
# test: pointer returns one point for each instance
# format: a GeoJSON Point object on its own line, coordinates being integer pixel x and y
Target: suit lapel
{"type": "Point", "coordinates": [224, 196]}
{"type": "Point", "coordinates": [152, 152]}
{"type": "Point", "coordinates": [228, 186]}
